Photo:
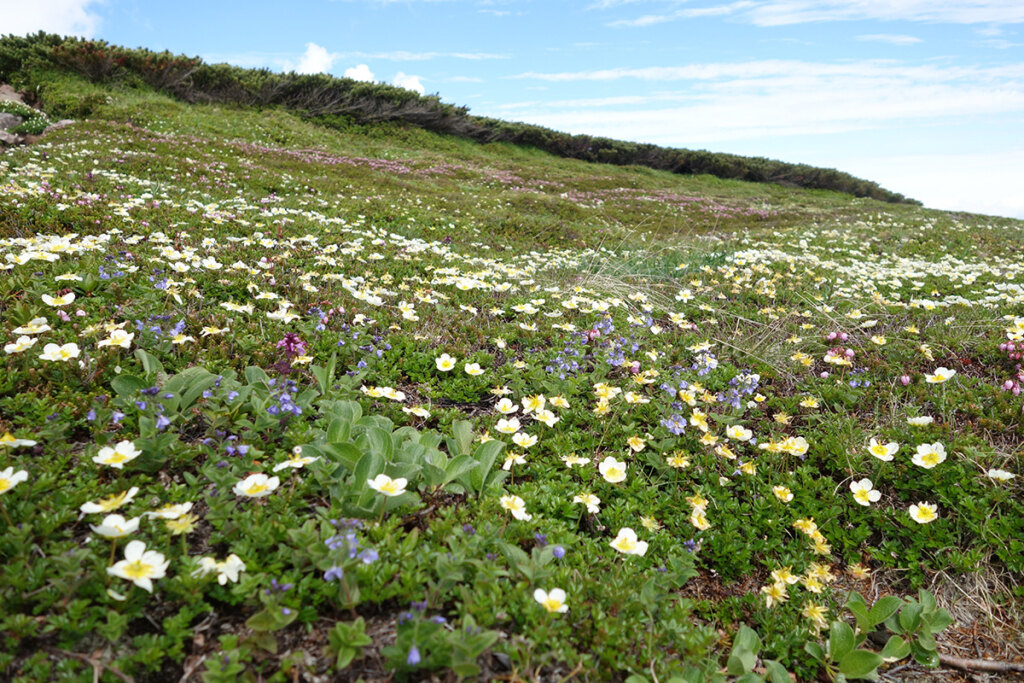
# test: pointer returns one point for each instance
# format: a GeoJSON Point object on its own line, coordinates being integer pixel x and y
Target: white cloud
{"type": "Point", "coordinates": [785, 68]}
{"type": "Point", "coordinates": [891, 38]}
{"type": "Point", "coordinates": [404, 56]}
{"type": "Point", "coordinates": [784, 12]}
{"type": "Point", "coordinates": [66, 17]}
{"type": "Point", "coordinates": [316, 60]}
{"type": "Point", "coordinates": [403, 80]}
{"type": "Point", "coordinates": [752, 100]}
{"type": "Point", "coordinates": [689, 13]}
{"type": "Point", "coordinates": [977, 182]}
{"type": "Point", "coordinates": [360, 72]}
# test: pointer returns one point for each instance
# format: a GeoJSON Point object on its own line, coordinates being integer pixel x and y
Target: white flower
{"type": "Point", "coordinates": [517, 506]}
{"type": "Point", "coordinates": [922, 513]}
{"type": "Point", "coordinates": [506, 407]}
{"type": "Point", "coordinates": [9, 479]}
{"type": "Point", "coordinates": [883, 451]}
{"type": "Point", "coordinates": [473, 369]}
{"type": "Point", "coordinates": [612, 470]}
{"type": "Point", "coordinates": [55, 352]}
{"type": "Point", "coordinates": [929, 455]}
{"type": "Point", "coordinates": [509, 426]}
{"type": "Point", "coordinates": [116, 457]}
{"type": "Point", "coordinates": [171, 511]}
{"type": "Point", "coordinates": [939, 376]}
{"type": "Point", "coordinates": [1000, 475]}
{"type": "Point", "coordinates": [627, 543]}
{"type": "Point", "coordinates": [112, 503]}
{"type": "Point", "coordinates": [118, 338]}
{"type": "Point", "coordinates": [738, 433]}
{"type": "Point", "coordinates": [920, 421]}
{"type": "Point", "coordinates": [382, 483]}
{"type": "Point", "coordinates": [444, 362]}
{"type": "Point", "coordinates": [226, 571]}
{"type": "Point", "coordinates": [34, 326]}
{"type": "Point", "coordinates": [23, 343]}
{"type": "Point", "coordinates": [256, 486]}
{"type": "Point", "coordinates": [524, 440]}
{"type": "Point", "coordinates": [140, 566]}
{"type": "Point", "coordinates": [590, 500]}
{"type": "Point", "coordinates": [863, 493]}
{"type": "Point", "coordinates": [553, 601]}
{"type": "Point", "coordinates": [9, 441]}
{"type": "Point", "coordinates": [58, 300]}
{"type": "Point", "coordinates": [116, 526]}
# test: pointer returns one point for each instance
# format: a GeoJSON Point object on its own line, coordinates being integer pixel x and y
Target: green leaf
{"type": "Point", "coordinates": [910, 617]}
{"type": "Point", "coordinates": [338, 430]}
{"type": "Point", "coordinates": [776, 672]}
{"type": "Point", "coordinates": [814, 650]}
{"type": "Point", "coordinates": [271, 619]}
{"type": "Point", "coordinates": [462, 430]}
{"type": "Point", "coordinates": [747, 639]}
{"type": "Point", "coordinates": [859, 664]}
{"type": "Point", "coordinates": [840, 640]}
{"type": "Point", "coordinates": [457, 467]}
{"type": "Point", "coordinates": [150, 365]}
{"type": "Point", "coordinates": [883, 609]}
{"type": "Point", "coordinates": [938, 621]}
{"type": "Point", "coordinates": [127, 386]}
{"type": "Point", "coordinates": [896, 648]}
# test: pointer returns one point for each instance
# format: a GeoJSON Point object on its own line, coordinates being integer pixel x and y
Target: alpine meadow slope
{"type": "Point", "coordinates": [309, 396]}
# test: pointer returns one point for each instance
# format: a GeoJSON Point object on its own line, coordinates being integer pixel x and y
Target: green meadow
{"type": "Point", "coordinates": [292, 399]}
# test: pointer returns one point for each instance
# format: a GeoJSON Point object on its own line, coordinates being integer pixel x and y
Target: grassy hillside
{"type": "Point", "coordinates": [34, 62]}
{"type": "Point", "coordinates": [375, 402]}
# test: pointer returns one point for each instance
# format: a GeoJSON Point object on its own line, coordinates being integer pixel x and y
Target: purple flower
{"type": "Point", "coordinates": [558, 552]}
{"type": "Point", "coordinates": [334, 573]}
{"type": "Point", "coordinates": [414, 656]}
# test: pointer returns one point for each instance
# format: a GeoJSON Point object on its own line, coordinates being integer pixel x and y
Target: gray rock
{"type": "Point", "coordinates": [8, 121]}
{"type": "Point", "coordinates": [57, 126]}
{"type": "Point", "coordinates": [9, 138]}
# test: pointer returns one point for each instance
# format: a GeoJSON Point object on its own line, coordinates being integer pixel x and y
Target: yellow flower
{"type": "Point", "coordinates": [678, 460]}
{"type": "Point", "coordinates": [650, 523]}
{"type": "Point", "coordinates": [182, 525]}
{"type": "Point", "coordinates": [112, 503]}
{"type": "Point", "coordinates": [816, 614]}
{"type": "Point", "coordinates": [774, 594]}
{"type": "Point", "coordinates": [636, 443]}
{"type": "Point", "coordinates": [782, 493]}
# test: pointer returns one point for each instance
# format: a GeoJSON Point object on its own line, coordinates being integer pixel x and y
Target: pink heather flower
{"type": "Point", "coordinates": [292, 344]}
{"type": "Point", "coordinates": [905, 380]}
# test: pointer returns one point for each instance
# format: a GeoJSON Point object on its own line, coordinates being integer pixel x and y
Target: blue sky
{"type": "Point", "coordinates": [925, 97]}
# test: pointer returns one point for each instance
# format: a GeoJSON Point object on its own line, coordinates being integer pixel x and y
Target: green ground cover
{"type": "Point", "coordinates": [289, 401]}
